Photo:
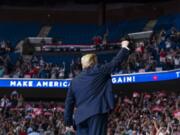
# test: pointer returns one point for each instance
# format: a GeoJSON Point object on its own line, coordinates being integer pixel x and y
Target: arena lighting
{"type": "Point", "coordinates": [116, 79]}
{"type": "Point", "coordinates": [141, 35]}
{"type": "Point", "coordinates": [38, 40]}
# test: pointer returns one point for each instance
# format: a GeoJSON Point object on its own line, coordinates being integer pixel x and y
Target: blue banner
{"type": "Point", "coordinates": [64, 83]}
{"type": "Point", "coordinates": [34, 83]}
{"type": "Point", "coordinates": [146, 77]}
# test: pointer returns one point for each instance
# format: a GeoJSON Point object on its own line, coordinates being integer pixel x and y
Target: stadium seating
{"type": "Point", "coordinates": [16, 31]}
{"type": "Point", "coordinates": [83, 33]}
{"type": "Point", "coordinates": [117, 30]}
{"type": "Point", "coordinates": [177, 22]}
{"type": "Point", "coordinates": [75, 33]}
{"type": "Point", "coordinates": [166, 22]}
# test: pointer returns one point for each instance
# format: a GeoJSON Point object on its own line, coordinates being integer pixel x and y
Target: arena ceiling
{"type": "Point", "coordinates": [112, 1]}
{"type": "Point", "coordinates": [55, 2]}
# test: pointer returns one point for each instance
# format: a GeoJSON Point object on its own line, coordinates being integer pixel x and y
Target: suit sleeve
{"type": "Point", "coordinates": [69, 107]}
{"type": "Point", "coordinates": [118, 59]}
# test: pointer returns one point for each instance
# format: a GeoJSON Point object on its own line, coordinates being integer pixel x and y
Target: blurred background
{"type": "Point", "coordinates": [45, 39]}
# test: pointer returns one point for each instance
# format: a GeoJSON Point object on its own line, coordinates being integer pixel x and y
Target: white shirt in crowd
{"type": "Point", "coordinates": [4, 102]}
{"type": "Point", "coordinates": [176, 61]}
{"type": "Point", "coordinates": [34, 133]}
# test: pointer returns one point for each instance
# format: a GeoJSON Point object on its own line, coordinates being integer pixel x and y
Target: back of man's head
{"type": "Point", "coordinates": [88, 60]}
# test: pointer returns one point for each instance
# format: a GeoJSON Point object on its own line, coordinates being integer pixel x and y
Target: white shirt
{"type": "Point", "coordinates": [34, 133]}
{"type": "Point", "coordinates": [176, 61]}
{"type": "Point", "coordinates": [4, 102]}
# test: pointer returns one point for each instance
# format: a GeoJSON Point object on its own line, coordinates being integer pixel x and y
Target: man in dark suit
{"type": "Point", "coordinates": [90, 94]}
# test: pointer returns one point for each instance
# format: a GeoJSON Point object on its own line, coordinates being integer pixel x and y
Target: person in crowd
{"type": "Point", "coordinates": [138, 113]}
{"type": "Point", "coordinates": [4, 104]}
{"type": "Point", "coordinates": [160, 51]}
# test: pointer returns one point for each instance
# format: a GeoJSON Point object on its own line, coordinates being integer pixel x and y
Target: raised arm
{"type": "Point", "coordinates": [155, 125]}
{"type": "Point", "coordinates": [118, 59]}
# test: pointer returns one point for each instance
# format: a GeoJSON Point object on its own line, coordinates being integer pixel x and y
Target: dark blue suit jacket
{"type": "Point", "coordinates": [91, 91]}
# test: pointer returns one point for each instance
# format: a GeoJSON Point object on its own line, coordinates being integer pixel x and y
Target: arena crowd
{"type": "Point", "coordinates": [145, 114]}
{"type": "Point", "coordinates": [139, 113]}
{"type": "Point", "coordinates": [160, 52]}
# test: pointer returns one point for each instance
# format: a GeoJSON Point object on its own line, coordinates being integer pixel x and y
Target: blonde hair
{"type": "Point", "coordinates": [88, 60]}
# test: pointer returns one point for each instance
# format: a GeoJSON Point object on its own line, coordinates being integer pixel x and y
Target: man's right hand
{"type": "Point", "coordinates": [128, 44]}
{"type": "Point", "coordinates": [124, 44]}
